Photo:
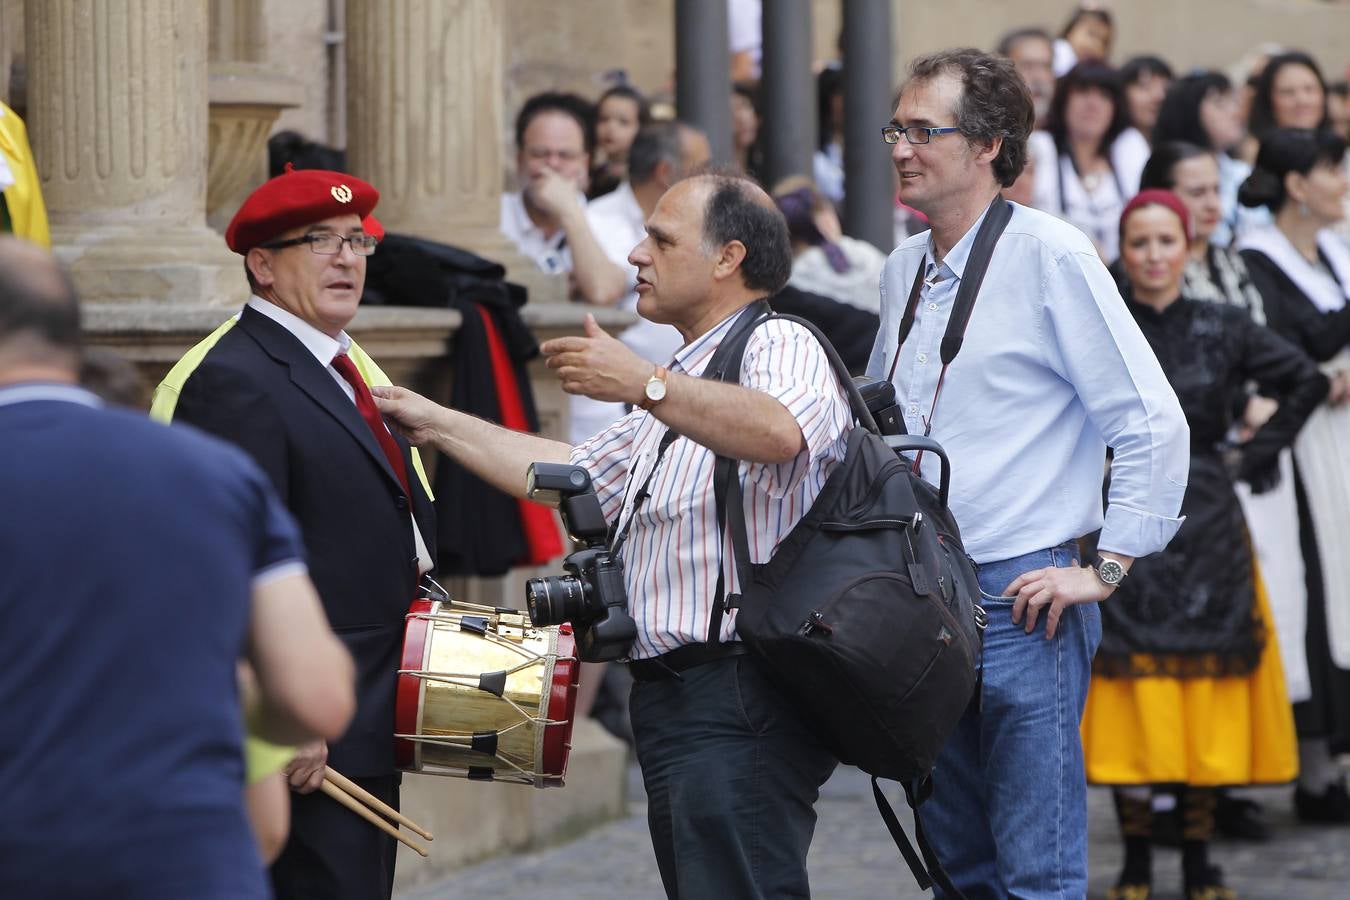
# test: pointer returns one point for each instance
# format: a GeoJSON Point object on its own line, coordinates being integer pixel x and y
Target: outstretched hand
{"type": "Point", "coordinates": [1052, 589]}
{"type": "Point", "coordinates": [412, 414]}
{"type": "Point", "coordinates": [598, 365]}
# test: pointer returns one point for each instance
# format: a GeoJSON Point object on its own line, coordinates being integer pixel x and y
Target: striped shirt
{"type": "Point", "coordinates": [673, 552]}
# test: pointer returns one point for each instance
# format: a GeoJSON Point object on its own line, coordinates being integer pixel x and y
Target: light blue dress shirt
{"type": "Point", "coordinates": [1053, 370]}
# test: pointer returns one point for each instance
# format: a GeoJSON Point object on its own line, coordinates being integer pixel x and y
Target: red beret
{"type": "Point", "coordinates": [294, 198]}
{"type": "Point", "coordinates": [373, 227]}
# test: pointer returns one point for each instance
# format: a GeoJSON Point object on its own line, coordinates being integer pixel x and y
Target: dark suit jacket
{"type": "Point", "coordinates": [259, 387]}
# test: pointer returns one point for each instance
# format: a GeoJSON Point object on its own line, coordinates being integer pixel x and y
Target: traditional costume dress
{"type": "Point", "coordinates": [1307, 303]}
{"type": "Point", "coordinates": [1187, 686]}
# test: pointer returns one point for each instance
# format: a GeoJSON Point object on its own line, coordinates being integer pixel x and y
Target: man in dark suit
{"type": "Point", "coordinates": [287, 384]}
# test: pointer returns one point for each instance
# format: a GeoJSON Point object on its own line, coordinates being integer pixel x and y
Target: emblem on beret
{"type": "Point", "coordinates": [341, 193]}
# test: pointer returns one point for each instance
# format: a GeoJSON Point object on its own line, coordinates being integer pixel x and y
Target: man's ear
{"type": "Point", "coordinates": [728, 260]}
{"type": "Point", "coordinates": [989, 153]}
{"type": "Point", "coordinates": [260, 265]}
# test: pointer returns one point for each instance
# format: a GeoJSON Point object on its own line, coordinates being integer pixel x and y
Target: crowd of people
{"type": "Point", "coordinates": [1217, 202]}
{"type": "Point", "coordinates": [1169, 299]}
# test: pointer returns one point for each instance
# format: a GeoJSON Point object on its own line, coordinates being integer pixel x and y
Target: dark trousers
{"type": "Point", "coordinates": [732, 777]}
{"type": "Point", "coordinates": [334, 854]}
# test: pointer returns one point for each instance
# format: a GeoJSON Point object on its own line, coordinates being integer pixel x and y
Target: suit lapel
{"type": "Point", "coordinates": [315, 382]}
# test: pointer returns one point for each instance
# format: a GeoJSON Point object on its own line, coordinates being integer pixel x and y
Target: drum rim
{"type": "Point", "coordinates": [408, 753]}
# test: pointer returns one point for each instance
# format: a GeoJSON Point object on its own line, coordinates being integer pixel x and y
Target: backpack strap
{"type": "Point", "coordinates": [927, 871]}
{"type": "Point", "coordinates": [725, 365]}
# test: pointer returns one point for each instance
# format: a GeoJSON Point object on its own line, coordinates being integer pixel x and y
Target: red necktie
{"type": "Point", "coordinates": [365, 404]}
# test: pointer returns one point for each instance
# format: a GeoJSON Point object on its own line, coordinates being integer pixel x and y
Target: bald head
{"type": "Point", "coordinates": [39, 314]}
{"type": "Point", "coordinates": [737, 209]}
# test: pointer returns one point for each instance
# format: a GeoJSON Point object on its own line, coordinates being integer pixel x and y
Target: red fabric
{"type": "Point", "coordinates": [541, 533]}
{"type": "Point", "coordinates": [294, 198]}
{"type": "Point", "coordinates": [1159, 197]}
{"type": "Point", "coordinates": [365, 404]}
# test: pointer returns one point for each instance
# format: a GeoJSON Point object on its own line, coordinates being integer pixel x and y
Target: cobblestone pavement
{"type": "Point", "coordinates": [853, 857]}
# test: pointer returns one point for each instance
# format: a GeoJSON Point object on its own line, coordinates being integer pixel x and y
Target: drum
{"type": "Point", "coordinates": [484, 694]}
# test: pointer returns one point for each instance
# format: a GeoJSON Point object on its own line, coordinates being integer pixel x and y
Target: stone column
{"type": "Point", "coordinates": [424, 123]}
{"type": "Point", "coordinates": [117, 116]}
{"type": "Point", "coordinates": [789, 90]}
{"type": "Point", "coordinates": [11, 42]}
{"type": "Point", "coordinates": [246, 97]}
{"type": "Point", "coordinates": [237, 32]}
{"type": "Point", "coordinates": [869, 179]}
{"type": "Point", "coordinates": [703, 71]}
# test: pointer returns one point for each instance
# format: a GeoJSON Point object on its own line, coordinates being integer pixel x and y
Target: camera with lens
{"type": "Point", "coordinates": [591, 595]}
{"type": "Point", "coordinates": [879, 395]}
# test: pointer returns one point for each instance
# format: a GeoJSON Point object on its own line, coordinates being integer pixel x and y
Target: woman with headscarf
{"type": "Point", "coordinates": [1187, 690]}
{"type": "Point", "coordinates": [1302, 270]}
{"type": "Point", "coordinates": [1217, 274]}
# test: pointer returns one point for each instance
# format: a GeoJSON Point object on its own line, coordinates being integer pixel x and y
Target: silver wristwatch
{"type": "Point", "coordinates": [1109, 571]}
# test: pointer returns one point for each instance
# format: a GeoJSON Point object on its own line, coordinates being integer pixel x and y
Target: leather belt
{"type": "Point", "coordinates": [670, 665]}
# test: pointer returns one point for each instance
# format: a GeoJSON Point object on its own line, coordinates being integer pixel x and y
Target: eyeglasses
{"type": "Point", "coordinates": [914, 134]}
{"type": "Point", "coordinates": [325, 243]}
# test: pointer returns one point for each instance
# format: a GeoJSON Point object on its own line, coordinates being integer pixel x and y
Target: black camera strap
{"type": "Point", "coordinates": [995, 220]}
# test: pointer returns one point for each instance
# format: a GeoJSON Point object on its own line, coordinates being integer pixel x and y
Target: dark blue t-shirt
{"type": "Point", "coordinates": [128, 552]}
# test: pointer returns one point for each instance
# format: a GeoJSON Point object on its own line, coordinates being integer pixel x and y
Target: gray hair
{"type": "Point", "coordinates": [656, 143]}
{"type": "Point", "coordinates": [737, 209]}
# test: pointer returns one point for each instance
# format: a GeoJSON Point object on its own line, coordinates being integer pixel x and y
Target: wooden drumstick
{"type": "Point", "coordinates": [375, 803]}
{"type": "Point", "coordinates": [361, 810]}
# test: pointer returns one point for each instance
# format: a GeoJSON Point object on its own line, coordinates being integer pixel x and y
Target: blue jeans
{"type": "Point", "coordinates": [1008, 815]}
{"type": "Point", "coordinates": [732, 777]}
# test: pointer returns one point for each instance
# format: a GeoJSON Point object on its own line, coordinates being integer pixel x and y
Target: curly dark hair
{"type": "Point", "coordinates": [995, 103]}
{"type": "Point", "coordinates": [1087, 76]}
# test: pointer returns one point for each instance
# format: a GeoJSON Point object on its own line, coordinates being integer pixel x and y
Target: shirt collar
{"type": "Point", "coordinates": [956, 257]}
{"type": "Point", "coordinates": [693, 357]}
{"type": "Point", "coordinates": [321, 345]}
{"type": "Point", "coordinates": [47, 390]}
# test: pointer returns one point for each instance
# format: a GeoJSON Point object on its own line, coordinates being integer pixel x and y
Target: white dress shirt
{"type": "Point", "coordinates": [1052, 372]}
{"type": "Point", "coordinates": [673, 552]}
{"type": "Point", "coordinates": [325, 350]}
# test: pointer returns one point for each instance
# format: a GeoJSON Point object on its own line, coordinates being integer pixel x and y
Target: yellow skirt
{"type": "Point", "coordinates": [1204, 732]}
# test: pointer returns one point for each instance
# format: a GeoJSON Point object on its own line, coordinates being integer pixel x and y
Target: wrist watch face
{"type": "Point", "coordinates": [1110, 571]}
{"type": "Point", "coordinates": [656, 389]}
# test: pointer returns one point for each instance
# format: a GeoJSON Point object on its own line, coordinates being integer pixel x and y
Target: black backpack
{"type": "Point", "coordinates": [867, 615]}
